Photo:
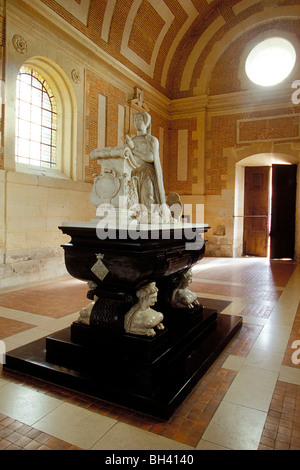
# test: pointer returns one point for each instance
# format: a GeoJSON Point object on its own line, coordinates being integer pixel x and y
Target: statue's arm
{"type": "Point", "coordinates": [108, 152]}
{"type": "Point", "coordinates": [95, 154]}
{"type": "Point", "coordinates": [129, 141]}
{"type": "Point", "coordinates": [144, 154]}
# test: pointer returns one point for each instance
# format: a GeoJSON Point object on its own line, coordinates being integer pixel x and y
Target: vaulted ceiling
{"type": "Point", "coordinates": [171, 43]}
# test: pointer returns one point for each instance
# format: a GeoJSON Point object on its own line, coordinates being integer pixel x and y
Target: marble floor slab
{"type": "Point", "coordinates": [249, 398]}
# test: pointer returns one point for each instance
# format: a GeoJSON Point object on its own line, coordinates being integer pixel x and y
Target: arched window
{"type": "Point", "coordinates": [36, 120]}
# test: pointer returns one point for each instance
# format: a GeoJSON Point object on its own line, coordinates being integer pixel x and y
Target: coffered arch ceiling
{"type": "Point", "coordinates": [172, 44]}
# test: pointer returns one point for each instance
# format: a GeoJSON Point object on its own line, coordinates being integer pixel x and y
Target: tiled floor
{"type": "Point", "coordinates": [249, 399]}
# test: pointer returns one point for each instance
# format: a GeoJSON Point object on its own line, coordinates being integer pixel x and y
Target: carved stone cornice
{"type": "Point", "coordinates": [231, 103]}
{"type": "Point", "coordinates": [251, 100]}
{"type": "Point", "coordinates": [187, 107]}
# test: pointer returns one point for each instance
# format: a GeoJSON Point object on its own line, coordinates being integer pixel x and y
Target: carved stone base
{"type": "Point", "coordinates": [107, 316]}
{"type": "Point", "coordinates": [152, 375]}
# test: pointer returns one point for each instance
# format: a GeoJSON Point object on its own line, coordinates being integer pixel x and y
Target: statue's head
{"type": "Point", "coordinates": [188, 276]}
{"type": "Point", "coordinates": [148, 294]}
{"type": "Point", "coordinates": [145, 117]}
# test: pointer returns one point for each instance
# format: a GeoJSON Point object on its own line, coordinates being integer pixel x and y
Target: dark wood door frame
{"type": "Point", "coordinates": [256, 211]}
{"type": "Point", "coordinates": [281, 212]}
{"type": "Point", "coordinates": [283, 216]}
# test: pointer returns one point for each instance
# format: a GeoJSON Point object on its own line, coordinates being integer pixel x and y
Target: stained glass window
{"type": "Point", "coordinates": [36, 120]}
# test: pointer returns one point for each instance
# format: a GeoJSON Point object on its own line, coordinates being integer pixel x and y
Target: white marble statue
{"type": "Point", "coordinates": [135, 164]}
{"type": "Point", "coordinates": [176, 206]}
{"type": "Point", "coordinates": [145, 151]}
{"type": "Point", "coordinates": [141, 318]}
{"type": "Point", "coordinates": [85, 313]}
{"type": "Point", "coordinates": [182, 297]}
{"type": "Point", "coordinates": [115, 182]}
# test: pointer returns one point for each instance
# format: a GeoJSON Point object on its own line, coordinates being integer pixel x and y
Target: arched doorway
{"type": "Point", "coordinates": [266, 203]}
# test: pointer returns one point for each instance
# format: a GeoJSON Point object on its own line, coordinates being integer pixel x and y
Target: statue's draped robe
{"type": "Point", "coordinates": [149, 175]}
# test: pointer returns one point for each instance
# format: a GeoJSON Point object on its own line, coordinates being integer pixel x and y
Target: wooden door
{"type": "Point", "coordinates": [283, 211]}
{"type": "Point", "coordinates": [256, 211]}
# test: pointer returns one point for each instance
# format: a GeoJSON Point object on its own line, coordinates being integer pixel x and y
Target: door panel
{"type": "Point", "coordinates": [283, 211]}
{"type": "Point", "coordinates": [256, 211]}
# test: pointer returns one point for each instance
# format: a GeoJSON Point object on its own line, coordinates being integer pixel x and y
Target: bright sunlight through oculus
{"type": "Point", "coordinates": [271, 61]}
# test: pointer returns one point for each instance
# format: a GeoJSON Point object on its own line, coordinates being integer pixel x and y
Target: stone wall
{"type": "Point", "coordinates": [210, 120]}
{"type": "Point", "coordinates": [32, 209]}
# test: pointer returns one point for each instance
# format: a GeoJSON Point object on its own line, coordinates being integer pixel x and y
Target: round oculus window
{"type": "Point", "coordinates": [271, 61]}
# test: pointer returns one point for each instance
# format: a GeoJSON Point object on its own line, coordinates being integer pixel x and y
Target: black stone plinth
{"type": "Point", "coordinates": [159, 256]}
{"type": "Point", "coordinates": [131, 263]}
{"type": "Point", "coordinates": [152, 375]}
{"type": "Point", "coordinates": [149, 375]}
